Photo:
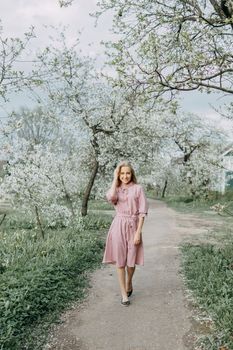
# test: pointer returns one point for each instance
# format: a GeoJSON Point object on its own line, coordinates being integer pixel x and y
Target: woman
{"type": "Point", "coordinates": [124, 246]}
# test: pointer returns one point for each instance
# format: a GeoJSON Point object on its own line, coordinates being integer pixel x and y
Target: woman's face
{"type": "Point", "coordinates": [125, 174]}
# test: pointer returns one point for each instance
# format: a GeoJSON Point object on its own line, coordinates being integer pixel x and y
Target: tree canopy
{"type": "Point", "coordinates": [172, 46]}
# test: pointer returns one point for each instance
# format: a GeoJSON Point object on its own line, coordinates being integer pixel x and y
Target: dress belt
{"type": "Point", "coordinates": [127, 216]}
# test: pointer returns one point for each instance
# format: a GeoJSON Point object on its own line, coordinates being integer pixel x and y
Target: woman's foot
{"type": "Point", "coordinates": [129, 292]}
{"type": "Point", "coordinates": [129, 289]}
{"type": "Point", "coordinates": [125, 302]}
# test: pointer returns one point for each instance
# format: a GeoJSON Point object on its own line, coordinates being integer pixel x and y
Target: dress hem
{"type": "Point", "coordinates": [114, 263]}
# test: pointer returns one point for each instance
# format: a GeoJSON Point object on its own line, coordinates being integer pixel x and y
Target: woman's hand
{"type": "Point", "coordinates": [116, 173]}
{"type": "Point", "coordinates": [137, 238]}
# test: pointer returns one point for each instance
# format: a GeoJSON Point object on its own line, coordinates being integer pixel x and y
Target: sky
{"type": "Point", "coordinates": [18, 15]}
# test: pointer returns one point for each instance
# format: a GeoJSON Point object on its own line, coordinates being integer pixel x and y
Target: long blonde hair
{"type": "Point", "coordinates": [133, 176]}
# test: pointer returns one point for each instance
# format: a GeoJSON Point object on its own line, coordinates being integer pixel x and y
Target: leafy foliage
{"type": "Point", "coordinates": [172, 46]}
{"type": "Point", "coordinates": [12, 79]}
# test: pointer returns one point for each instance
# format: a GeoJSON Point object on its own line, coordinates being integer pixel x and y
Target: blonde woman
{"type": "Point", "coordinates": [124, 246]}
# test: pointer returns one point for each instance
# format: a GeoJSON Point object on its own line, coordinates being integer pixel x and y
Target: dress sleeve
{"type": "Point", "coordinates": [111, 198]}
{"type": "Point", "coordinates": [143, 204]}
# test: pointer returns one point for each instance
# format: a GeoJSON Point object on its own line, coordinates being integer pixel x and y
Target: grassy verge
{"type": "Point", "coordinates": [39, 278]}
{"type": "Point", "coordinates": [208, 274]}
{"type": "Point", "coordinates": [151, 193]}
{"type": "Point", "coordinates": [208, 271]}
{"type": "Point", "coordinates": [202, 207]}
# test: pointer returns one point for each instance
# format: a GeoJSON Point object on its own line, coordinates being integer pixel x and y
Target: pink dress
{"type": "Point", "coordinates": [130, 203]}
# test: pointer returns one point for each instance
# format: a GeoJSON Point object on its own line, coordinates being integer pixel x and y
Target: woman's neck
{"type": "Point", "coordinates": [126, 185]}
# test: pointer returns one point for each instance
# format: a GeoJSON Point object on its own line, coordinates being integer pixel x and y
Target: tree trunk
{"type": "Point", "coordinates": [4, 216]}
{"type": "Point", "coordinates": [164, 189]}
{"type": "Point", "coordinates": [39, 221]}
{"type": "Point", "coordinates": [88, 189]}
{"type": "Point", "coordinates": [68, 198]}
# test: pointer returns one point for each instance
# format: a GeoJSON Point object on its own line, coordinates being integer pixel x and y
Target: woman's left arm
{"type": "Point", "coordinates": [142, 210]}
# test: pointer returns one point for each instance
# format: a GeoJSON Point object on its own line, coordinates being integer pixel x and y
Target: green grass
{"type": "Point", "coordinates": [151, 193]}
{"type": "Point", "coordinates": [208, 271]}
{"type": "Point", "coordinates": [39, 278]}
{"type": "Point", "coordinates": [186, 204]}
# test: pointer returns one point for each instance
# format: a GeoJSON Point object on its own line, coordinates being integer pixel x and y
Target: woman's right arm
{"type": "Point", "coordinates": [112, 193]}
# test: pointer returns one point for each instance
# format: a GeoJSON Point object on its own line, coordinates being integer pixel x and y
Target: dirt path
{"type": "Point", "coordinates": [158, 317]}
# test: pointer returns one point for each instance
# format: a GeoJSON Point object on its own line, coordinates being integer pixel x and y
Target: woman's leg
{"type": "Point", "coordinates": [121, 277]}
{"type": "Point", "coordinates": [130, 273]}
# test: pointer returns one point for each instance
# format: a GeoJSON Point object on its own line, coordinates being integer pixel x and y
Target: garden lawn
{"type": "Point", "coordinates": [203, 207]}
{"type": "Point", "coordinates": [208, 274]}
{"type": "Point", "coordinates": [208, 271]}
{"type": "Point", "coordinates": [39, 278]}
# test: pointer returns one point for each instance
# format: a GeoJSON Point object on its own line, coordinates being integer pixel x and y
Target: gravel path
{"type": "Point", "coordinates": [158, 317]}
